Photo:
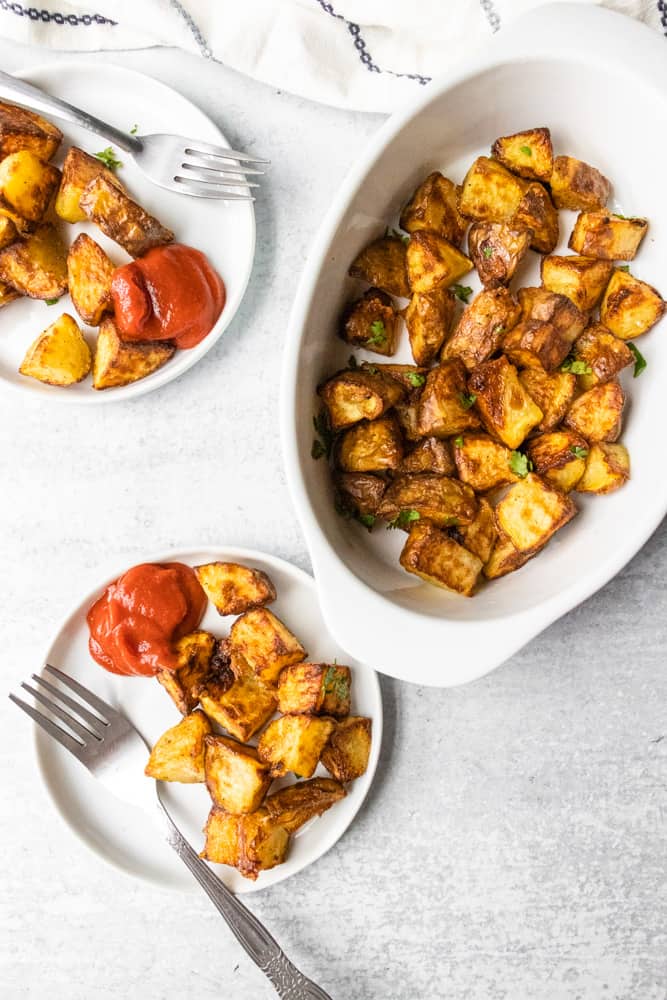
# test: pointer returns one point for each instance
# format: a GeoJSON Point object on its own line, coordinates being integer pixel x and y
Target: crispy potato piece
{"type": "Point", "coordinates": [371, 322]}
{"type": "Point", "coordinates": [430, 455]}
{"type": "Point", "coordinates": [179, 753]}
{"type": "Point", "coordinates": [582, 279]}
{"type": "Point", "coordinates": [346, 754]}
{"type": "Point", "coordinates": [482, 326]}
{"type": "Point", "coordinates": [24, 129]}
{"type": "Point", "coordinates": [8, 232]}
{"type": "Point", "coordinates": [79, 169]}
{"type": "Point", "coordinates": [410, 376]}
{"type": "Point", "coordinates": [578, 186]}
{"type": "Point", "coordinates": [490, 193]}
{"type": "Point", "coordinates": [596, 414]}
{"type": "Point", "coordinates": [559, 457]}
{"type": "Point", "coordinates": [506, 558]}
{"type": "Point", "coordinates": [233, 588]}
{"type": "Point", "coordinates": [480, 536]}
{"type": "Point", "coordinates": [195, 651]}
{"type": "Point", "coordinates": [294, 743]}
{"type": "Point", "coordinates": [445, 407]}
{"type": "Point", "coordinates": [496, 249]}
{"type": "Point", "coordinates": [528, 154]}
{"type": "Point", "coordinates": [607, 468]}
{"type": "Point", "coordinates": [59, 356]}
{"type": "Point", "coordinates": [236, 778]}
{"type": "Point", "coordinates": [383, 264]}
{"type": "Point", "coordinates": [36, 266]}
{"type": "Point", "coordinates": [603, 353]}
{"type": "Point", "coordinates": [233, 696]}
{"type": "Point", "coordinates": [439, 499]}
{"type": "Point", "coordinates": [293, 806]}
{"type": "Point", "coordinates": [315, 689]}
{"type": "Point", "coordinates": [429, 318]}
{"type": "Point", "coordinates": [407, 415]}
{"type": "Point", "coordinates": [351, 396]}
{"type": "Point", "coordinates": [436, 558]}
{"type": "Point", "coordinates": [482, 463]}
{"type": "Point", "coordinates": [7, 294]}
{"type": "Point", "coordinates": [432, 261]}
{"type": "Point", "coordinates": [532, 511]}
{"type": "Point", "coordinates": [537, 212]}
{"type": "Point", "coordinates": [506, 409]}
{"type": "Point", "coordinates": [121, 219]}
{"type": "Point", "coordinates": [119, 362]}
{"type": "Point", "coordinates": [22, 226]}
{"type": "Point", "coordinates": [371, 446]}
{"type": "Point", "coordinates": [434, 207]}
{"type": "Point", "coordinates": [607, 236]}
{"type": "Point", "coordinates": [265, 644]}
{"type": "Point", "coordinates": [630, 307]}
{"type": "Point", "coordinates": [550, 323]}
{"type": "Point", "coordinates": [359, 492]}
{"type": "Point", "coordinates": [251, 843]}
{"type": "Point", "coordinates": [553, 392]}
{"type": "Point", "coordinates": [27, 183]}
{"type": "Point", "coordinates": [89, 274]}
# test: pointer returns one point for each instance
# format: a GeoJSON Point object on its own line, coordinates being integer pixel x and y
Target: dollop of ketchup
{"type": "Point", "coordinates": [135, 622]}
{"type": "Point", "coordinates": [171, 293]}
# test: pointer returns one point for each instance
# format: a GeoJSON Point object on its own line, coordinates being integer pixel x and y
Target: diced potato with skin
{"type": "Point", "coordinates": [436, 558]}
{"type": "Point", "coordinates": [490, 193]}
{"type": "Point", "coordinates": [179, 753]}
{"type": "Point", "coordinates": [383, 264]}
{"type": "Point", "coordinates": [482, 463]}
{"type": "Point", "coordinates": [371, 322]}
{"type": "Point", "coordinates": [607, 468]}
{"type": "Point", "coordinates": [233, 588]}
{"type": "Point", "coordinates": [119, 362]}
{"type": "Point", "coordinates": [346, 754]}
{"type": "Point", "coordinates": [444, 501]}
{"type": "Point", "coordinates": [359, 492]}
{"type": "Point", "coordinates": [24, 129]}
{"type": "Point", "coordinates": [607, 236]}
{"type": "Point", "coordinates": [630, 307]}
{"type": "Point", "coordinates": [195, 651]}
{"type": "Point", "coordinates": [582, 279]}
{"type": "Point", "coordinates": [480, 536]}
{"type": "Point", "coordinates": [429, 317]}
{"type": "Point", "coordinates": [315, 689]}
{"type": "Point", "coordinates": [27, 183]}
{"type": "Point", "coordinates": [410, 376]}
{"type": "Point", "coordinates": [251, 843]}
{"type": "Point", "coordinates": [294, 743]}
{"type": "Point", "coordinates": [233, 696]}
{"type": "Point", "coordinates": [528, 154]}
{"type": "Point", "coordinates": [351, 396]}
{"type": "Point", "coordinates": [549, 326]}
{"type": "Point", "coordinates": [122, 219]}
{"type": "Point", "coordinates": [532, 511]}
{"type": "Point", "coordinates": [236, 778]}
{"type": "Point", "coordinates": [496, 249]}
{"type": "Point", "coordinates": [434, 207]}
{"type": "Point", "coordinates": [506, 558]}
{"type": "Point", "coordinates": [371, 446]}
{"type": "Point", "coordinates": [59, 356]}
{"type": "Point", "coordinates": [559, 457]}
{"type": "Point", "coordinates": [8, 232]}
{"type": "Point", "coordinates": [596, 414]}
{"type": "Point", "coordinates": [482, 326]}
{"type": "Point", "coordinates": [89, 274]}
{"type": "Point", "coordinates": [293, 806]}
{"type": "Point", "coordinates": [432, 261]}
{"type": "Point", "coordinates": [553, 392]}
{"type": "Point", "coordinates": [445, 407]}
{"type": "Point", "coordinates": [506, 409]}
{"type": "Point", "coordinates": [407, 414]}
{"type": "Point", "coordinates": [37, 265]}
{"type": "Point", "coordinates": [7, 294]}
{"type": "Point", "coordinates": [430, 455]}
{"type": "Point", "coordinates": [603, 353]}
{"type": "Point", "coordinates": [79, 169]}
{"type": "Point", "coordinates": [578, 186]}
{"type": "Point", "coordinates": [265, 644]}
{"type": "Point", "coordinates": [537, 212]}
{"type": "Point", "coordinates": [22, 226]}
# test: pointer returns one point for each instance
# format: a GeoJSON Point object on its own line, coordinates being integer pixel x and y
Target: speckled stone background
{"type": "Point", "coordinates": [513, 845]}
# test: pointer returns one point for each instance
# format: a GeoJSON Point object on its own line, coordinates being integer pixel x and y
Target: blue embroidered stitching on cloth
{"type": "Point", "coordinates": [194, 28]}
{"type": "Point", "coordinates": [662, 11]}
{"type": "Point", "coordinates": [72, 20]}
{"type": "Point", "coordinates": [492, 15]}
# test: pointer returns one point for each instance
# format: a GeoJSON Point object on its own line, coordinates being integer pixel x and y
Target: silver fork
{"type": "Point", "coordinates": [113, 751]}
{"type": "Point", "coordinates": [188, 166]}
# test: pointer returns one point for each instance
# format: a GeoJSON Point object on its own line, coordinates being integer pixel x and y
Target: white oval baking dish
{"type": "Point", "coordinates": [599, 80]}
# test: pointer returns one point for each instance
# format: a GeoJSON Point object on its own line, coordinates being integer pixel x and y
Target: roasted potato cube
{"type": "Point", "coordinates": [537, 212]}
{"type": "Point", "coordinates": [233, 588]}
{"type": "Point", "coordinates": [532, 511]}
{"type": "Point", "coordinates": [79, 169]}
{"type": "Point", "coordinates": [179, 753]}
{"type": "Point", "coordinates": [630, 307]}
{"type": "Point", "coordinates": [383, 264]}
{"type": "Point", "coordinates": [482, 463]}
{"type": "Point", "coordinates": [89, 274]}
{"type": "Point", "coordinates": [550, 324]}
{"type": "Point", "coordinates": [371, 446]}
{"type": "Point", "coordinates": [607, 468]}
{"type": "Point", "coordinates": [490, 193]}
{"type": "Point", "coordinates": [351, 396]}
{"type": "Point", "coordinates": [410, 376]}
{"type": "Point", "coordinates": [430, 455]}
{"type": "Point", "coordinates": [506, 558]}
{"type": "Point", "coordinates": [552, 391]}
{"type": "Point", "coordinates": [8, 232]}
{"type": "Point", "coordinates": [432, 261]}
{"type": "Point", "coordinates": [294, 743]}
{"type": "Point", "coordinates": [7, 294]}
{"type": "Point", "coordinates": [429, 318]}
{"type": "Point", "coordinates": [251, 843]}
{"type": "Point", "coordinates": [506, 409]}
{"type": "Point", "coordinates": [22, 226]}
{"type": "Point", "coordinates": [482, 327]}
{"type": "Point", "coordinates": [59, 356]}
{"type": "Point", "coordinates": [596, 414]}
{"type": "Point", "coordinates": [233, 696]}
{"type": "Point", "coordinates": [293, 806]}
{"type": "Point", "coordinates": [436, 558]}
{"type": "Point", "coordinates": [559, 457]}
{"type": "Point", "coordinates": [578, 186]}
{"type": "Point", "coordinates": [37, 265]}
{"type": "Point", "coordinates": [195, 651]}
{"type": "Point", "coordinates": [603, 354]}
{"type": "Point", "coordinates": [121, 219]}
{"type": "Point", "coordinates": [360, 493]}
{"type": "Point", "coordinates": [607, 236]}
{"type": "Point", "coordinates": [480, 536]}
{"type": "Point", "coordinates": [434, 207]}
{"type": "Point", "coordinates": [443, 501]}
{"type": "Point", "coordinates": [371, 322]}
{"type": "Point", "coordinates": [27, 183]}
{"type": "Point", "coordinates": [496, 249]}
{"type": "Point", "coordinates": [528, 154]}
{"type": "Point", "coordinates": [119, 362]}
{"type": "Point", "coordinates": [582, 279]}
{"type": "Point", "coordinates": [265, 644]}
{"type": "Point", "coordinates": [407, 414]}
{"type": "Point", "coordinates": [236, 778]}
{"type": "Point", "coordinates": [445, 406]}
{"type": "Point", "coordinates": [314, 689]}
{"type": "Point", "coordinates": [346, 754]}
{"type": "Point", "coordinates": [23, 129]}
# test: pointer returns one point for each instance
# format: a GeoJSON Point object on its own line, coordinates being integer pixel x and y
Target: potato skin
{"type": "Point", "coordinates": [603, 353]}
{"type": "Point", "coordinates": [506, 558]}
{"type": "Point", "coordinates": [436, 558]}
{"type": "Point", "coordinates": [582, 279]}
{"type": "Point", "coordinates": [490, 193]}
{"type": "Point", "coordinates": [121, 219]}
{"type": "Point", "coordinates": [359, 492]}
{"type": "Point", "coordinates": [439, 499]}
{"type": "Point", "coordinates": [383, 264]}
{"type": "Point", "coordinates": [59, 356]}
{"type": "Point", "coordinates": [293, 806]}
{"type": "Point", "coordinates": [37, 265]}
{"type": "Point", "coordinates": [434, 207]}
{"type": "Point", "coordinates": [370, 446]}
{"type": "Point", "coordinates": [578, 186]}
{"type": "Point", "coordinates": [352, 396]}
{"type": "Point", "coordinates": [233, 588]}
{"type": "Point", "coordinates": [607, 236]}
{"type": "Point", "coordinates": [24, 129]}
{"type": "Point", "coordinates": [432, 260]}
{"type": "Point", "coordinates": [346, 754]}
{"type": "Point", "coordinates": [537, 213]}
{"type": "Point", "coordinates": [553, 392]}
{"type": "Point", "coordinates": [118, 362]}
{"type": "Point", "coordinates": [550, 323]}
{"type": "Point", "coordinates": [27, 183]}
{"type": "Point", "coordinates": [607, 468]}
{"type": "Point", "coordinates": [371, 322]}
{"type": "Point", "coordinates": [89, 274]}
{"type": "Point", "coordinates": [479, 537]}
{"type": "Point", "coordinates": [195, 652]}
{"type": "Point", "coordinates": [557, 458]}
{"type": "Point", "coordinates": [442, 409]}
{"type": "Point", "coordinates": [496, 249]}
{"type": "Point", "coordinates": [630, 307]}
{"type": "Point", "coordinates": [429, 318]}
{"type": "Point", "coordinates": [596, 414]}
{"type": "Point", "coordinates": [482, 326]}
{"type": "Point", "coordinates": [528, 154]}
{"type": "Point", "coordinates": [532, 511]}
{"type": "Point", "coordinates": [506, 409]}
{"type": "Point", "coordinates": [430, 455]}
{"type": "Point", "coordinates": [78, 170]}
{"type": "Point", "coordinates": [178, 755]}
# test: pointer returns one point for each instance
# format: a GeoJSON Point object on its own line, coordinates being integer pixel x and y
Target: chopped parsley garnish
{"type": "Point", "coordinates": [575, 367]}
{"type": "Point", "coordinates": [526, 150]}
{"type": "Point", "coordinates": [462, 292]}
{"type": "Point", "coordinates": [624, 267]}
{"type": "Point", "coordinates": [352, 362]}
{"type": "Point", "coordinates": [520, 464]}
{"type": "Point", "coordinates": [394, 234]}
{"type": "Point", "coordinates": [499, 329]}
{"type": "Point", "coordinates": [458, 441]}
{"type": "Point", "coordinates": [322, 444]}
{"type": "Point", "coordinates": [134, 130]}
{"type": "Point", "coordinates": [108, 158]}
{"type": "Point", "coordinates": [317, 449]}
{"type": "Point", "coordinates": [368, 520]}
{"type": "Point", "coordinates": [415, 379]}
{"type": "Point", "coordinates": [488, 252]}
{"type": "Point", "coordinates": [451, 522]}
{"type": "Point", "coordinates": [467, 399]}
{"type": "Point", "coordinates": [640, 360]}
{"type": "Point", "coordinates": [378, 334]}
{"type": "Point", "coordinates": [371, 369]}
{"type": "Point", "coordinates": [578, 451]}
{"type": "Point", "coordinates": [405, 518]}
{"type": "Point", "coordinates": [336, 684]}
{"type": "Point", "coordinates": [52, 302]}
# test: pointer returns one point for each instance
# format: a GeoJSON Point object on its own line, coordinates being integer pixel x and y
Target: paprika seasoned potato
{"type": "Point", "coordinates": [194, 651]}
{"type": "Point", "coordinates": [315, 689]}
{"type": "Point", "coordinates": [582, 279]}
{"type": "Point", "coordinates": [435, 557]}
{"type": "Point", "coordinates": [89, 274]}
{"type": "Point", "coordinates": [528, 154]}
{"type": "Point", "coordinates": [382, 264]}
{"type": "Point", "coordinates": [559, 457]}
{"type": "Point", "coordinates": [233, 696]}
{"type": "Point", "coordinates": [630, 307]}
{"type": "Point", "coordinates": [479, 537]}
{"type": "Point", "coordinates": [371, 322]}
{"type": "Point", "coordinates": [483, 463]}
{"type": "Point", "coordinates": [496, 250]}
{"type": "Point", "coordinates": [429, 317]}
{"type": "Point", "coordinates": [27, 183]}
{"type": "Point", "coordinates": [265, 643]}
{"type": "Point", "coordinates": [445, 406]}
{"type": "Point", "coordinates": [482, 326]}
{"type": "Point", "coordinates": [430, 455]}
{"type": "Point", "coordinates": [59, 356]}
{"type": "Point", "coordinates": [551, 391]}
{"type": "Point", "coordinates": [610, 237]}
{"type": "Point", "coordinates": [506, 558]}
{"type": "Point", "coordinates": [371, 446]}
{"type": "Point", "coordinates": [294, 743]}
{"type": "Point", "coordinates": [179, 753]}
{"type": "Point", "coordinates": [118, 362]}
{"type": "Point", "coordinates": [607, 468]}
{"type": "Point", "coordinates": [550, 323]}
{"type": "Point", "coordinates": [596, 414]}
{"type": "Point", "coordinates": [7, 294]}
{"type": "Point", "coordinates": [37, 265]}
{"type": "Point", "coordinates": [121, 219]}
{"type": "Point", "coordinates": [346, 754]}
{"type": "Point", "coordinates": [233, 588]}
{"type": "Point", "coordinates": [295, 805]}
{"type": "Point", "coordinates": [8, 231]}
{"type": "Point", "coordinates": [531, 511]}
{"type": "Point", "coordinates": [439, 499]}
{"type": "Point", "coordinates": [78, 170]}
{"type": "Point", "coordinates": [236, 778]}
{"type": "Point", "coordinates": [432, 260]}
{"type": "Point", "coordinates": [434, 207]}
{"type": "Point", "coordinates": [537, 213]}
{"type": "Point", "coordinates": [490, 193]}
{"type": "Point", "coordinates": [602, 354]}
{"type": "Point", "coordinates": [251, 843]}
{"type": "Point", "coordinates": [578, 186]}
{"type": "Point", "coordinates": [506, 409]}
{"type": "Point", "coordinates": [359, 394]}
{"type": "Point", "coordinates": [23, 129]}
{"type": "Point", "coordinates": [359, 492]}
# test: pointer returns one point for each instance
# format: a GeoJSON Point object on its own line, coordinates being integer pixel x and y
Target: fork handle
{"type": "Point", "coordinates": [36, 100]}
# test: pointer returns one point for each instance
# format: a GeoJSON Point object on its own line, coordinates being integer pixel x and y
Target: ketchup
{"type": "Point", "coordinates": [134, 623]}
{"type": "Point", "coordinates": [172, 293]}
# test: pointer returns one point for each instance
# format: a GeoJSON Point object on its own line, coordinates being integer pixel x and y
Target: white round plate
{"type": "Point", "coordinates": [123, 835]}
{"type": "Point", "coordinates": [224, 231]}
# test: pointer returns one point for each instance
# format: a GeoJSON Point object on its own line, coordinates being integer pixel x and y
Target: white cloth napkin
{"type": "Point", "coordinates": [360, 54]}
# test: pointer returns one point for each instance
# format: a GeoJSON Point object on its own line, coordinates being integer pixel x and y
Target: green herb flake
{"type": "Point", "coordinates": [520, 464]}
{"type": "Point", "coordinates": [134, 130]}
{"type": "Point", "coordinates": [318, 449]}
{"type": "Point", "coordinates": [624, 267]}
{"type": "Point", "coordinates": [52, 302]}
{"type": "Point", "coordinates": [467, 399]}
{"type": "Point", "coordinates": [574, 367]}
{"type": "Point", "coordinates": [405, 518]}
{"type": "Point", "coordinates": [324, 441]}
{"type": "Point", "coordinates": [379, 335]}
{"type": "Point", "coordinates": [451, 522]}
{"type": "Point", "coordinates": [499, 329]}
{"type": "Point", "coordinates": [415, 379]}
{"type": "Point", "coordinates": [578, 451]}
{"type": "Point", "coordinates": [462, 292]}
{"type": "Point", "coordinates": [371, 369]}
{"type": "Point", "coordinates": [526, 150]}
{"type": "Point", "coordinates": [640, 360]}
{"type": "Point", "coordinates": [336, 683]}
{"type": "Point", "coordinates": [368, 520]}
{"type": "Point", "coordinates": [352, 362]}
{"type": "Point", "coordinates": [458, 441]}
{"type": "Point", "coordinates": [394, 234]}
{"type": "Point", "coordinates": [108, 158]}
{"type": "Point", "coordinates": [488, 252]}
